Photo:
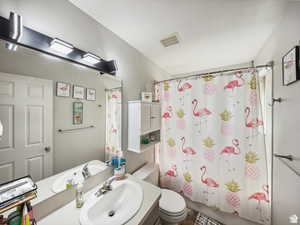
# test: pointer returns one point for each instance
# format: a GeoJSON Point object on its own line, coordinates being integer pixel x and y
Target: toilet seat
{"type": "Point", "coordinates": [171, 202]}
{"type": "Point", "coordinates": [172, 206]}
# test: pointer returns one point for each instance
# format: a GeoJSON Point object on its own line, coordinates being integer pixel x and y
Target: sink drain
{"type": "Point", "coordinates": [111, 213]}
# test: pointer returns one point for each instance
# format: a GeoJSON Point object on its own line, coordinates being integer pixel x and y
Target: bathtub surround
{"type": "Point", "coordinates": [213, 146]}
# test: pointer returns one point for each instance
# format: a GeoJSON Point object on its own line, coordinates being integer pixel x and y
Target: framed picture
{"type": "Point", "coordinates": [290, 66]}
{"type": "Point", "coordinates": [78, 92]}
{"type": "Point", "coordinates": [77, 113]}
{"type": "Point", "coordinates": [146, 96]}
{"type": "Point", "coordinates": [91, 94]}
{"type": "Point", "coordinates": [63, 89]}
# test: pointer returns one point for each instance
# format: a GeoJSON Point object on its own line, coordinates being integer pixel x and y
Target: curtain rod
{"type": "Point", "coordinates": [218, 71]}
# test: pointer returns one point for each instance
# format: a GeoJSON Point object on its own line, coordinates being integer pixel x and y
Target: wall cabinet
{"type": "Point", "coordinates": [144, 120]}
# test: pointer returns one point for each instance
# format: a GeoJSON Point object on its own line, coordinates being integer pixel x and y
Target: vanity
{"type": "Point", "coordinates": [136, 200]}
{"type": "Point", "coordinates": [130, 201]}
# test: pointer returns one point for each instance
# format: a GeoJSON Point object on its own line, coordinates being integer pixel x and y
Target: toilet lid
{"type": "Point", "coordinates": [171, 201]}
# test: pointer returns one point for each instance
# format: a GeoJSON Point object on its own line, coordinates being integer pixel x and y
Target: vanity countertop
{"type": "Point", "coordinates": [44, 188]}
{"type": "Point", "coordinates": [69, 214]}
{"type": "Point", "coordinates": [45, 185]}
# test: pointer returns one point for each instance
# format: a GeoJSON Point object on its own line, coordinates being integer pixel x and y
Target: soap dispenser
{"type": "Point", "coordinates": [79, 195]}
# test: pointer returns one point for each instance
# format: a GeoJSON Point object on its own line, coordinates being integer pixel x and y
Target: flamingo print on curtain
{"type": "Point", "coordinates": [113, 122]}
{"type": "Point", "coordinates": [212, 143]}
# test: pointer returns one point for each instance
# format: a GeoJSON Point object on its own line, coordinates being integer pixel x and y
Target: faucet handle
{"type": "Point", "coordinates": [85, 171]}
{"type": "Point", "coordinates": [111, 179]}
{"type": "Point", "coordinates": [107, 183]}
{"type": "Point", "coordinates": [107, 186]}
{"type": "Point", "coordinates": [85, 167]}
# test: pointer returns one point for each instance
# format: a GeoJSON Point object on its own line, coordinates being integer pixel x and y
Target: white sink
{"type": "Point", "coordinates": [116, 207]}
{"type": "Point", "coordinates": [94, 167]}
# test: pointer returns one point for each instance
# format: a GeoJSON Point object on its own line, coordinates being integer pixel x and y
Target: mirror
{"type": "Point", "coordinates": [54, 114]}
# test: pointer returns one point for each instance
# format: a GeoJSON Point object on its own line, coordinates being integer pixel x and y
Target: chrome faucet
{"type": "Point", "coordinates": [85, 172]}
{"type": "Point", "coordinates": [106, 186]}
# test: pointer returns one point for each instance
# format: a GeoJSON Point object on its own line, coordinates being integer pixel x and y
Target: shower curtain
{"type": "Point", "coordinates": [113, 122]}
{"type": "Point", "coordinates": [212, 143]}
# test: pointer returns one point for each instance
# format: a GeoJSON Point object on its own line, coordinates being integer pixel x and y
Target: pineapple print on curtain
{"type": "Point", "coordinates": [113, 122]}
{"type": "Point", "coordinates": [213, 147]}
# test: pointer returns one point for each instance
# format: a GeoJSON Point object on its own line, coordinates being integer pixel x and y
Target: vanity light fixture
{"type": "Point", "coordinates": [15, 34]}
{"type": "Point", "coordinates": [15, 25]}
{"type": "Point", "coordinates": [15, 30]}
{"type": "Point", "coordinates": [91, 58]}
{"type": "Point", "coordinates": [1, 130]}
{"type": "Point", "coordinates": [61, 46]}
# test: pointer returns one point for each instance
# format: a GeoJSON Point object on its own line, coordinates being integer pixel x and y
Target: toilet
{"type": "Point", "coordinates": [172, 206]}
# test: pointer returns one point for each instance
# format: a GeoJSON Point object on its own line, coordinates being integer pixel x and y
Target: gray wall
{"type": "Point", "coordinates": [286, 184]}
{"type": "Point", "coordinates": [59, 18]}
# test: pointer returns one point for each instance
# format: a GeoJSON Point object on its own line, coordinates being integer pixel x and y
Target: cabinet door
{"type": "Point", "coordinates": [145, 117]}
{"type": "Point", "coordinates": [155, 117]}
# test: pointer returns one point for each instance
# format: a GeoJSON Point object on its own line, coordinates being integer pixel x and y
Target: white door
{"type": "Point", "coordinates": [26, 111]}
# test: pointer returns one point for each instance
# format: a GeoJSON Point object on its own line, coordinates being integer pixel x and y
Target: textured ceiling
{"type": "Point", "coordinates": [213, 33]}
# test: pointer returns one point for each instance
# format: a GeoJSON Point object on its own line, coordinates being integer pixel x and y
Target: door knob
{"type": "Point", "coordinates": [47, 149]}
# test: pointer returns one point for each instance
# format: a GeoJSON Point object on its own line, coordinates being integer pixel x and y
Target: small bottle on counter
{"type": "Point", "coordinates": [79, 195]}
{"type": "Point", "coordinates": [69, 183]}
{"type": "Point", "coordinates": [120, 171]}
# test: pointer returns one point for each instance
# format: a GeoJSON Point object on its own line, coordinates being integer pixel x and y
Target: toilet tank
{"type": "Point", "coordinates": [149, 173]}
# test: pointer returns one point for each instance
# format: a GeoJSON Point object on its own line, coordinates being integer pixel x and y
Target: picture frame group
{"type": "Point", "coordinates": [63, 89]}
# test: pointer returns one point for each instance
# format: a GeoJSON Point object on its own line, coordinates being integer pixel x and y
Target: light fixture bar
{"type": "Point", "coordinates": [16, 26]}
{"type": "Point", "coordinates": [15, 30]}
{"type": "Point", "coordinates": [42, 43]}
{"type": "Point", "coordinates": [91, 58]}
{"type": "Point", "coordinates": [61, 46]}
